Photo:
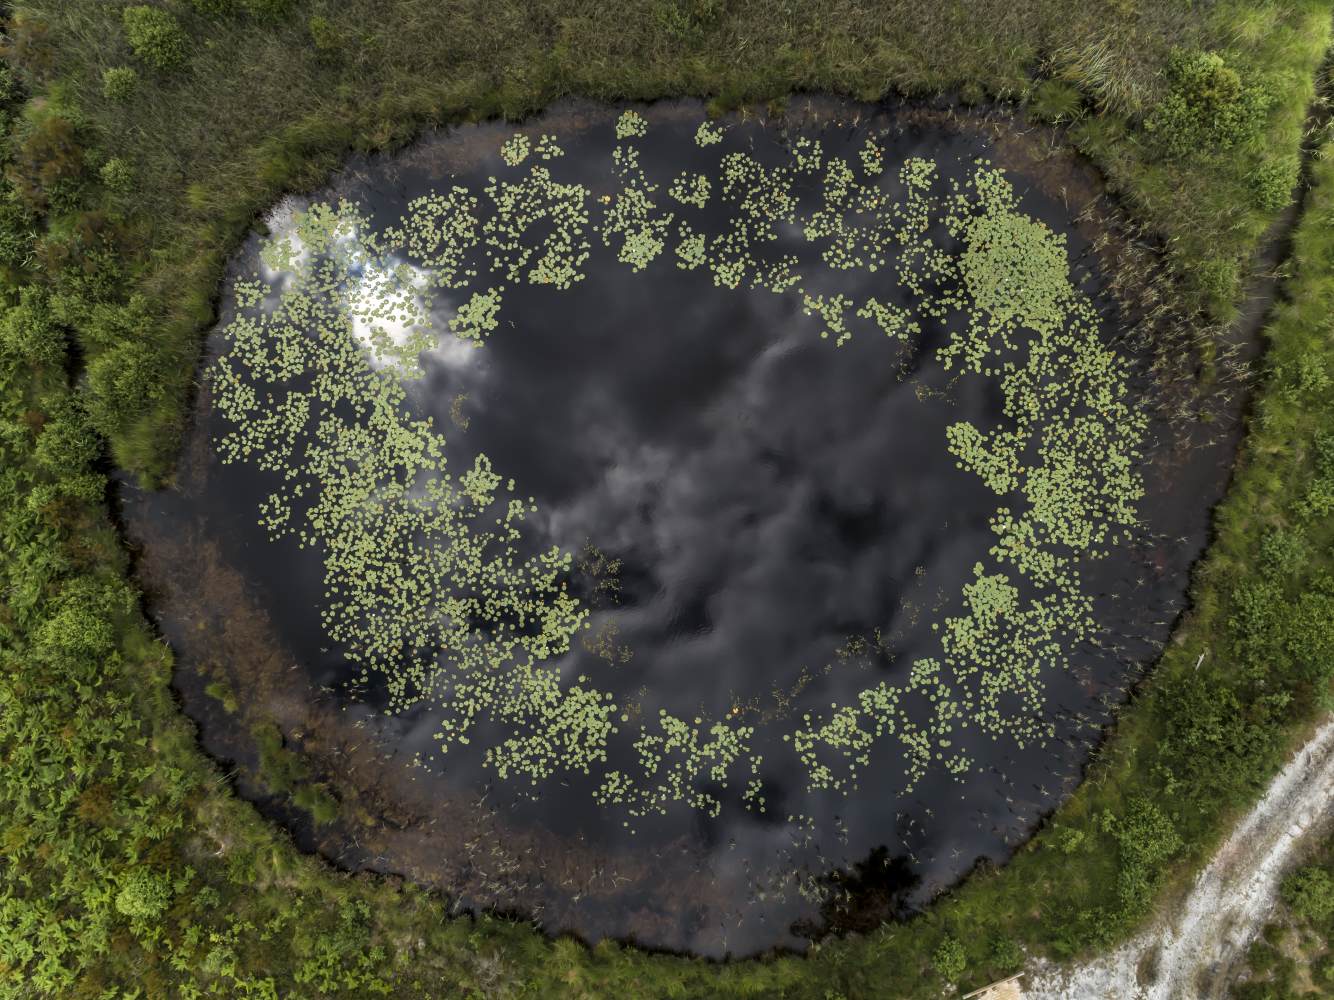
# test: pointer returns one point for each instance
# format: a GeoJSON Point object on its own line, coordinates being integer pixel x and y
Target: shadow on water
{"type": "Point", "coordinates": [765, 500]}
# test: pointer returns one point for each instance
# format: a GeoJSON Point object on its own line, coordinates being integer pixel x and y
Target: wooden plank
{"type": "Point", "coordinates": [1003, 989]}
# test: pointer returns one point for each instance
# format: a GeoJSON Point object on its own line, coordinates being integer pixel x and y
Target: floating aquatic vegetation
{"type": "Point", "coordinates": [427, 585]}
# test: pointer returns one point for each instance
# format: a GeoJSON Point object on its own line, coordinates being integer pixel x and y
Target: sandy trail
{"type": "Point", "coordinates": [1226, 907]}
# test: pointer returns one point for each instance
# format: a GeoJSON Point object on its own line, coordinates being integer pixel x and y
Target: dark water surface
{"type": "Point", "coordinates": [775, 504]}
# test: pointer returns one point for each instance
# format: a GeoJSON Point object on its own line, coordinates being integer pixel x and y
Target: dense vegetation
{"type": "Point", "coordinates": [140, 145]}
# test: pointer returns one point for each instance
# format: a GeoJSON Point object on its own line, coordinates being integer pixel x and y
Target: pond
{"type": "Point", "coordinates": [702, 533]}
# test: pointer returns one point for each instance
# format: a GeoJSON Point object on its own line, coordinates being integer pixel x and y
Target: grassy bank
{"type": "Point", "coordinates": [127, 864]}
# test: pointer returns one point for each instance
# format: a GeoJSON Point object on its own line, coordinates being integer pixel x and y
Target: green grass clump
{"type": "Point", "coordinates": [280, 769]}
{"type": "Point", "coordinates": [317, 801]}
{"type": "Point", "coordinates": [222, 692]}
{"type": "Point", "coordinates": [1056, 101]}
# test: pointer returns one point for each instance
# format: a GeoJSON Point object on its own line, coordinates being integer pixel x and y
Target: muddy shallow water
{"type": "Point", "coordinates": [763, 523]}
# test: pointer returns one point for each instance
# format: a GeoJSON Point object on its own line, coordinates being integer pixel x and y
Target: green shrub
{"type": "Point", "coordinates": [49, 163]}
{"type": "Point", "coordinates": [1213, 743]}
{"type": "Point", "coordinates": [1068, 839]}
{"type": "Point", "coordinates": [117, 175]}
{"type": "Point", "coordinates": [1309, 637]}
{"type": "Point", "coordinates": [685, 19]}
{"type": "Point", "coordinates": [1283, 551]}
{"type": "Point", "coordinates": [1323, 971]}
{"type": "Point", "coordinates": [1218, 281]}
{"type": "Point", "coordinates": [1272, 183]}
{"type": "Point", "coordinates": [1006, 953]}
{"type": "Point", "coordinates": [119, 83]}
{"type": "Point", "coordinates": [29, 333]}
{"type": "Point", "coordinates": [949, 959]}
{"type": "Point", "coordinates": [1207, 107]}
{"type": "Point", "coordinates": [972, 94]}
{"type": "Point", "coordinates": [1261, 957]}
{"type": "Point", "coordinates": [1308, 376]}
{"type": "Point", "coordinates": [1147, 838]}
{"type": "Point", "coordinates": [67, 444]}
{"type": "Point", "coordinates": [1310, 893]}
{"type": "Point", "coordinates": [155, 36]}
{"type": "Point", "coordinates": [81, 624]}
{"type": "Point", "coordinates": [123, 384]}
{"type": "Point", "coordinates": [143, 894]}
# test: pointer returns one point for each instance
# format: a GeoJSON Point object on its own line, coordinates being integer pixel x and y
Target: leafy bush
{"type": "Point", "coordinates": [123, 384]}
{"type": "Point", "coordinates": [117, 175]}
{"type": "Point", "coordinates": [949, 959]}
{"type": "Point", "coordinates": [1308, 376]}
{"type": "Point", "coordinates": [143, 894]}
{"type": "Point", "coordinates": [17, 233]}
{"type": "Point", "coordinates": [155, 36]}
{"type": "Point", "coordinates": [1212, 742]}
{"type": "Point", "coordinates": [1206, 108]}
{"type": "Point", "coordinates": [972, 94]}
{"type": "Point", "coordinates": [1006, 953]}
{"type": "Point", "coordinates": [1068, 839]}
{"type": "Point", "coordinates": [29, 333]}
{"type": "Point", "coordinates": [1272, 183]}
{"type": "Point", "coordinates": [1323, 971]}
{"type": "Point", "coordinates": [106, 324]}
{"type": "Point", "coordinates": [1309, 637]}
{"type": "Point", "coordinates": [1218, 281]}
{"type": "Point", "coordinates": [67, 444]}
{"type": "Point", "coordinates": [119, 83]}
{"type": "Point", "coordinates": [1146, 838]}
{"type": "Point", "coordinates": [1283, 551]}
{"type": "Point", "coordinates": [81, 624]}
{"type": "Point", "coordinates": [1310, 893]}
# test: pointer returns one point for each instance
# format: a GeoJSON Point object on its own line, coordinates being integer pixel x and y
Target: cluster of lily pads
{"type": "Point", "coordinates": [427, 584]}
